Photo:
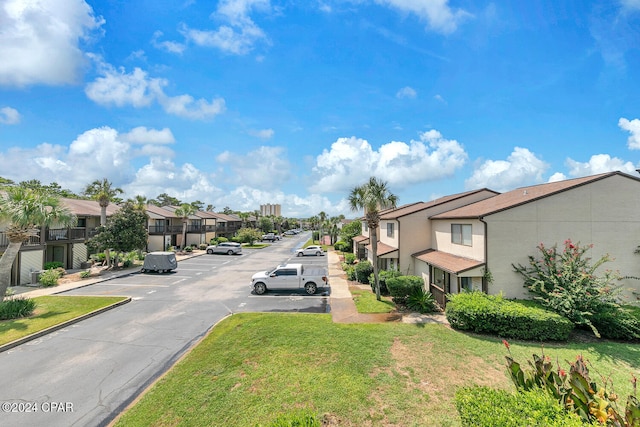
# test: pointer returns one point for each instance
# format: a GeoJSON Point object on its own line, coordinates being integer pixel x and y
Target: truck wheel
{"type": "Point", "coordinates": [260, 288]}
{"type": "Point", "coordinates": [310, 288]}
{"type": "Point", "coordinates": [300, 254]}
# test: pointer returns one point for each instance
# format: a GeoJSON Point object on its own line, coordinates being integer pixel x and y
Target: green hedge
{"type": "Point", "coordinates": [401, 287]}
{"type": "Point", "coordinates": [523, 319]}
{"type": "Point", "coordinates": [621, 324]}
{"type": "Point", "coordinates": [483, 406]}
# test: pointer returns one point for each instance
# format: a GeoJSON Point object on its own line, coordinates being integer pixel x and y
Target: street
{"type": "Point", "coordinates": [87, 373]}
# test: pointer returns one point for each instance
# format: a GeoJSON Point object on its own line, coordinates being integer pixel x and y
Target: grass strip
{"type": "Point", "coordinates": [50, 311]}
{"type": "Point", "coordinates": [254, 367]}
{"type": "Point", "coordinates": [366, 302]}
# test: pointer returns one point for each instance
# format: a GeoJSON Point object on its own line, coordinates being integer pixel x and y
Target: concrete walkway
{"type": "Point", "coordinates": [343, 308]}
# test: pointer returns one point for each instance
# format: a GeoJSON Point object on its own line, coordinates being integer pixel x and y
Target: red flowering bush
{"type": "Point", "coordinates": [565, 281]}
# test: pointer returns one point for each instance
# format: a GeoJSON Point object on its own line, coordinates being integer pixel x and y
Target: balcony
{"type": "Point", "coordinates": [4, 241]}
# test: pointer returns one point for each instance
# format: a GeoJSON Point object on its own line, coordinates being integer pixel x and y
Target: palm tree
{"type": "Point", "coordinates": [322, 218]}
{"type": "Point", "coordinates": [244, 216]}
{"type": "Point", "coordinates": [104, 193]}
{"type": "Point", "coordinates": [184, 211]}
{"type": "Point", "coordinates": [373, 197]}
{"type": "Point", "coordinates": [26, 210]}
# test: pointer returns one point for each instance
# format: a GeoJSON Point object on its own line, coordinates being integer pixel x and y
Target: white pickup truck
{"type": "Point", "coordinates": [290, 276]}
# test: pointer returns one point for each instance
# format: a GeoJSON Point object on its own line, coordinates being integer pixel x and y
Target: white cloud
{"type": "Point", "coordinates": [406, 92]}
{"type": "Point", "coordinates": [351, 161]}
{"type": "Point", "coordinates": [39, 40]}
{"type": "Point", "coordinates": [239, 33]}
{"type": "Point", "coordinates": [262, 133]}
{"type": "Point", "coordinates": [168, 46]}
{"type": "Point", "coordinates": [142, 135]}
{"type": "Point", "coordinates": [185, 182]}
{"type": "Point", "coordinates": [633, 127]}
{"type": "Point", "coordinates": [93, 155]}
{"type": "Point", "coordinates": [117, 87]}
{"type": "Point", "coordinates": [599, 163]}
{"type": "Point", "coordinates": [440, 17]}
{"type": "Point", "coordinates": [521, 168]}
{"type": "Point", "coordinates": [9, 116]}
{"type": "Point", "coordinates": [264, 168]}
{"type": "Point", "coordinates": [188, 107]}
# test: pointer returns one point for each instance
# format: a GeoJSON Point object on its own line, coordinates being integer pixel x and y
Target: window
{"type": "Point", "coordinates": [461, 234]}
{"type": "Point", "coordinates": [366, 226]}
{"type": "Point", "coordinates": [390, 229]}
{"type": "Point", "coordinates": [466, 284]}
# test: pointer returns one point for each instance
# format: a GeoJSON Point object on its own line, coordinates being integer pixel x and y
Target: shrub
{"type": "Point", "coordinates": [421, 301]}
{"type": "Point", "coordinates": [49, 278]}
{"type": "Point", "coordinates": [341, 246]}
{"type": "Point", "coordinates": [127, 263]}
{"type": "Point", "coordinates": [202, 246]}
{"type": "Point", "coordinates": [483, 406]}
{"type": "Point", "coordinates": [400, 287]}
{"type": "Point", "coordinates": [351, 272]}
{"type": "Point", "coordinates": [618, 324]}
{"type": "Point", "coordinates": [85, 274]}
{"type": "Point", "coordinates": [363, 270]}
{"type": "Point", "coordinates": [188, 249]}
{"type": "Point", "coordinates": [53, 265]}
{"type": "Point", "coordinates": [566, 282]}
{"type": "Point", "coordinates": [15, 308]}
{"type": "Point", "coordinates": [349, 258]}
{"type": "Point", "coordinates": [383, 275]}
{"type": "Point", "coordinates": [492, 314]}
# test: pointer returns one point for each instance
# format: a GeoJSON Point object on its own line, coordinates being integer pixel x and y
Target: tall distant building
{"type": "Point", "coordinates": [270, 210]}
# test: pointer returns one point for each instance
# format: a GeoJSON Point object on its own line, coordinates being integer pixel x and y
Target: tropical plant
{"type": "Point", "coordinates": [49, 278]}
{"type": "Point", "coordinates": [14, 308]}
{"type": "Point", "coordinates": [575, 390]}
{"type": "Point", "coordinates": [565, 281]}
{"type": "Point", "coordinates": [184, 212]}
{"type": "Point", "coordinates": [373, 197]}
{"type": "Point", "coordinates": [421, 301]}
{"type": "Point", "coordinates": [25, 211]}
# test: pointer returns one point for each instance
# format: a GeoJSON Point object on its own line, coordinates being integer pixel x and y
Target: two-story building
{"type": "Point", "coordinates": [66, 245]}
{"type": "Point", "coordinates": [472, 240]}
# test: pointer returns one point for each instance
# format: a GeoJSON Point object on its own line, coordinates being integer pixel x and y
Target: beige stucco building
{"type": "Point", "coordinates": [474, 245]}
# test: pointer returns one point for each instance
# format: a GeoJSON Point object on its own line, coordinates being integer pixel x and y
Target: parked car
{"type": "Point", "coordinates": [290, 276]}
{"type": "Point", "coordinates": [229, 248]}
{"type": "Point", "coordinates": [270, 236]}
{"type": "Point", "coordinates": [160, 262]}
{"type": "Point", "coordinates": [310, 250]}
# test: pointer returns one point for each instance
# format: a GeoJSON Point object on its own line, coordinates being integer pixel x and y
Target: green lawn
{"type": "Point", "coordinates": [50, 311]}
{"type": "Point", "coordinates": [254, 367]}
{"type": "Point", "coordinates": [366, 302]}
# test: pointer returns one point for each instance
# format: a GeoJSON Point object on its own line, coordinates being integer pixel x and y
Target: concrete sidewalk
{"type": "Point", "coordinates": [343, 308]}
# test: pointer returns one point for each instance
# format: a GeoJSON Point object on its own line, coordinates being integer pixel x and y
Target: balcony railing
{"type": "Point", "coordinates": [4, 240]}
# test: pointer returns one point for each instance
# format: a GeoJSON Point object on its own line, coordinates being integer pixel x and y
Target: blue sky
{"type": "Point", "coordinates": [238, 103]}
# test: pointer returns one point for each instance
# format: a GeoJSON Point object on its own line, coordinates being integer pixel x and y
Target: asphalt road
{"type": "Point", "coordinates": [87, 373]}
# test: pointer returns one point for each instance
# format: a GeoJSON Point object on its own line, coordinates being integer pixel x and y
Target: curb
{"type": "Point", "coordinates": [36, 335]}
